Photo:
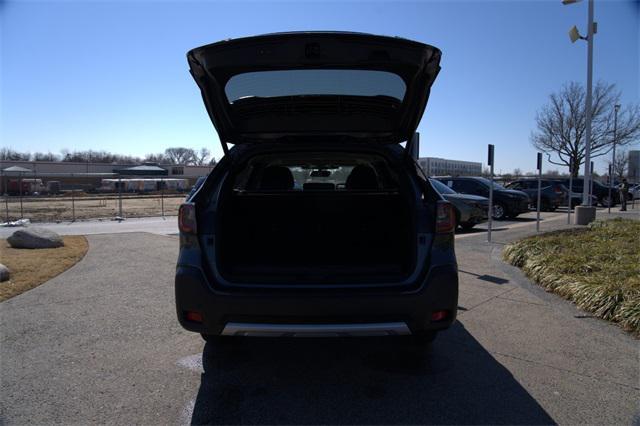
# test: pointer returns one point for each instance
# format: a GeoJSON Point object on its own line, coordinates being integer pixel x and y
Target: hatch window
{"type": "Point", "coordinates": [268, 84]}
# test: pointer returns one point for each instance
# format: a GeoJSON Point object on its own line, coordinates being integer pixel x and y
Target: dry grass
{"type": "Point", "coordinates": [30, 268]}
{"type": "Point", "coordinates": [51, 209]}
{"type": "Point", "coordinates": [597, 268]}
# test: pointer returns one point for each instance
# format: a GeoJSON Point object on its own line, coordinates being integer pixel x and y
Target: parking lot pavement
{"type": "Point", "coordinates": [100, 343]}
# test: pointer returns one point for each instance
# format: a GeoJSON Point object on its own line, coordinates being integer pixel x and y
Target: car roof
{"type": "Point", "coordinates": [457, 177]}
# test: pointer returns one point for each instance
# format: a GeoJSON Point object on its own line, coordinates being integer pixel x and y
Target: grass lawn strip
{"type": "Point", "coordinates": [597, 268]}
{"type": "Point", "coordinates": [32, 267]}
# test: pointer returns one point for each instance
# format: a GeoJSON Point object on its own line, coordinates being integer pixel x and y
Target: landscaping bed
{"type": "Point", "coordinates": [597, 267]}
{"type": "Point", "coordinates": [32, 267]}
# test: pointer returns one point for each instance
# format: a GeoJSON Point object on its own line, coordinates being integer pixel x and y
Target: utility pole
{"type": "Point", "coordinates": [613, 158]}
{"type": "Point", "coordinates": [586, 198]}
{"type": "Point", "coordinates": [586, 213]}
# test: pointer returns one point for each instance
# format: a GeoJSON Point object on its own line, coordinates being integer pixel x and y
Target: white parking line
{"type": "Point", "coordinates": [193, 363]}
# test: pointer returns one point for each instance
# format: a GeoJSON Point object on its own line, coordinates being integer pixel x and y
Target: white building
{"type": "Point", "coordinates": [434, 166]}
{"type": "Point", "coordinates": [88, 176]}
{"type": "Point", "coordinates": [44, 168]}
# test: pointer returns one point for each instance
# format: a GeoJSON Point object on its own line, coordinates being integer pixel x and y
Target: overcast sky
{"type": "Point", "coordinates": [113, 75]}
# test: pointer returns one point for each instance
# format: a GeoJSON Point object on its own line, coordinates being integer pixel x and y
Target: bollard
{"type": "Point", "coordinates": [20, 185]}
{"type": "Point", "coordinates": [120, 198]}
{"type": "Point", "coordinates": [610, 184]}
{"type": "Point", "coordinates": [73, 205]}
{"type": "Point", "coordinates": [570, 192]}
{"type": "Point", "coordinates": [539, 191]}
{"type": "Point", "coordinates": [490, 222]}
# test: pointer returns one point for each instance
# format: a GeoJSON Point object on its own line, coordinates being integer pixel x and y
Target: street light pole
{"type": "Point", "coordinates": [586, 199]}
{"type": "Point", "coordinates": [586, 213]}
{"type": "Point", "coordinates": [616, 107]}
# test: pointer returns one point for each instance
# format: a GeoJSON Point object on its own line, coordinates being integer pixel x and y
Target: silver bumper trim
{"type": "Point", "coordinates": [315, 330]}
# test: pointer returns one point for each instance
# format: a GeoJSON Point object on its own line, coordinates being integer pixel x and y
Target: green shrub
{"type": "Point", "coordinates": [597, 267]}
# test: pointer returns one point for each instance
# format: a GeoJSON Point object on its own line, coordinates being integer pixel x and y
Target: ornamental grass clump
{"type": "Point", "coordinates": [597, 267]}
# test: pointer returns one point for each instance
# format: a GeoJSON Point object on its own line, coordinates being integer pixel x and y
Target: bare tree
{"type": "Point", "coordinates": [517, 173]}
{"type": "Point", "coordinates": [561, 124]}
{"type": "Point", "coordinates": [201, 158]}
{"type": "Point", "coordinates": [620, 165]}
{"type": "Point", "coordinates": [42, 156]}
{"type": "Point", "coordinates": [97, 157]}
{"type": "Point", "coordinates": [158, 158]}
{"type": "Point", "coordinates": [8, 154]}
{"type": "Point", "coordinates": [180, 155]}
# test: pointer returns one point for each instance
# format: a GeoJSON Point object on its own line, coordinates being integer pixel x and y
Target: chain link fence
{"type": "Point", "coordinates": [82, 197]}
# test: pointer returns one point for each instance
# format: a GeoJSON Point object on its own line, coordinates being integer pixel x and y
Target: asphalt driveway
{"type": "Point", "coordinates": [100, 344]}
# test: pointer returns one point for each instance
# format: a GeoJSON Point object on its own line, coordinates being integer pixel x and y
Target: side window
{"type": "Point", "coordinates": [463, 186]}
{"type": "Point", "coordinates": [515, 185]}
{"type": "Point", "coordinates": [478, 188]}
{"type": "Point", "coordinates": [455, 185]}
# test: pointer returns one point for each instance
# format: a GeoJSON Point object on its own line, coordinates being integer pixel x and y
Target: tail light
{"type": "Point", "coordinates": [193, 316]}
{"type": "Point", "coordinates": [445, 218]}
{"type": "Point", "coordinates": [558, 189]}
{"type": "Point", "coordinates": [439, 315]}
{"type": "Point", "coordinates": [187, 218]}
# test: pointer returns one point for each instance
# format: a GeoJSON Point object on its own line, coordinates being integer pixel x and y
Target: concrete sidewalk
{"type": "Point", "coordinates": [100, 344]}
{"type": "Point", "coordinates": [579, 368]}
{"type": "Point", "coordinates": [155, 225]}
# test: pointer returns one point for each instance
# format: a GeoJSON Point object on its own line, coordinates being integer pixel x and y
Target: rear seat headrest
{"type": "Point", "coordinates": [278, 178]}
{"type": "Point", "coordinates": [362, 178]}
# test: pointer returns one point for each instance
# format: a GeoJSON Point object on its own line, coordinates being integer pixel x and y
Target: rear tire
{"type": "Point", "coordinates": [424, 339]}
{"type": "Point", "coordinates": [606, 202]}
{"type": "Point", "coordinates": [217, 339]}
{"type": "Point", "coordinates": [499, 212]}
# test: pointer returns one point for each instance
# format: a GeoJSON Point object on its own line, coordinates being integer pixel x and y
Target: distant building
{"type": "Point", "coordinates": [634, 166]}
{"type": "Point", "coordinates": [434, 166]}
{"type": "Point", "coordinates": [72, 175]}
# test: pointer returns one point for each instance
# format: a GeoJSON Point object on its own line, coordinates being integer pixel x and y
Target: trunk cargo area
{"type": "Point", "coordinates": [315, 237]}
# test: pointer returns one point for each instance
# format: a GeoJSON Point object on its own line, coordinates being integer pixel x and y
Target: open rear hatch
{"type": "Point", "coordinates": [315, 86]}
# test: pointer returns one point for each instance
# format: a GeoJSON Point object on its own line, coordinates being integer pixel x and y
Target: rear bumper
{"type": "Point", "coordinates": [397, 328]}
{"type": "Point", "coordinates": [478, 215]}
{"type": "Point", "coordinates": [359, 309]}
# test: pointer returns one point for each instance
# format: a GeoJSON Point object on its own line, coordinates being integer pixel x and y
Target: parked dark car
{"type": "Point", "coordinates": [196, 186]}
{"type": "Point", "coordinates": [507, 203]}
{"type": "Point", "coordinates": [552, 193]}
{"type": "Point", "coordinates": [470, 209]}
{"type": "Point", "coordinates": [600, 191]}
{"type": "Point", "coordinates": [362, 246]}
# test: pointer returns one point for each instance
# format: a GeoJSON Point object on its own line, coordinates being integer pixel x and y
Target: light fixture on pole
{"type": "Point", "coordinates": [586, 213]}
